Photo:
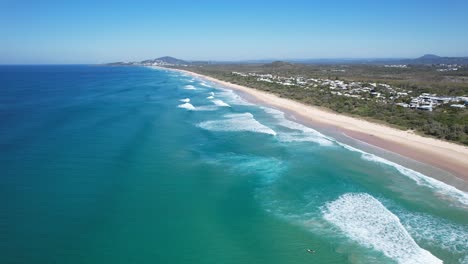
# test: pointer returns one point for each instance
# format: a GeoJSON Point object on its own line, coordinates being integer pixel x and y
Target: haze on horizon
{"type": "Point", "coordinates": [104, 31]}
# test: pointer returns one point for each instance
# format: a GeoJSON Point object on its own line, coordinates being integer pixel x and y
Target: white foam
{"type": "Point", "coordinates": [189, 87]}
{"type": "Point", "coordinates": [436, 232]}
{"type": "Point", "coordinates": [205, 84]}
{"type": "Point", "coordinates": [366, 221]}
{"type": "Point", "coordinates": [206, 108]}
{"type": "Point", "coordinates": [211, 96]}
{"type": "Point", "coordinates": [447, 191]}
{"type": "Point", "coordinates": [300, 137]}
{"type": "Point", "coordinates": [464, 260]}
{"type": "Point", "coordinates": [187, 106]}
{"type": "Point", "coordinates": [237, 122]}
{"type": "Point", "coordinates": [191, 107]}
{"type": "Point", "coordinates": [301, 133]}
{"type": "Point", "coordinates": [443, 190]}
{"type": "Point", "coordinates": [267, 169]}
{"type": "Point", "coordinates": [274, 112]}
{"type": "Point", "coordinates": [231, 97]}
{"type": "Point", "coordinates": [219, 102]}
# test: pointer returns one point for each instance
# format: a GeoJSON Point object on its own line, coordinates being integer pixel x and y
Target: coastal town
{"type": "Point", "coordinates": [379, 92]}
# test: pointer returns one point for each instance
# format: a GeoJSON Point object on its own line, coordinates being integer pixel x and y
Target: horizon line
{"type": "Point", "coordinates": [241, 60]}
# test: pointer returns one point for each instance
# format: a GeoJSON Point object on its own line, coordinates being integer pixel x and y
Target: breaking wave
{"type": "Point", "coordinates": [219, 102]}
{"type": "Point", "coordinates": [437, 232]}
{"type": "Point", "coordinates": [189, 87]}
{"type": "Point", "coordinates": [237, 122]}
{"type": "Point", "coordinates": [206, 108]}
{"type": "Point", "coordinates": [205, 84]}
{"type": "Point", "coordinates": [300, 132]}
{"type": "Point", "coordinates": [266, 169]}
{"type": "Point", "coordinates": [187, 106]}
{"type": "Point", "coordinates": [211, 96]}
{"type": "Point", "coordinates": [363, 219]}
{"type": "Point", "coordinates": [231, 97]}
{"type": "Point", "coordinates": [191, 107]}
{"type": "Point", "coordinates": [447, 191]}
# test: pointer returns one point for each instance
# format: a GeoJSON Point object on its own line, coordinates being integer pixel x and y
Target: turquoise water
{"type": "Point", "coordinates": [115, 165]}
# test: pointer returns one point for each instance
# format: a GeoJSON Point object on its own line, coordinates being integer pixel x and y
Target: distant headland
{"type": "Point", "coordinates": [425, 59]}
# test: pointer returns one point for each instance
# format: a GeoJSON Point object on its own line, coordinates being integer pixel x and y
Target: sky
{"type": "Point", "coordinates": [93, 31]}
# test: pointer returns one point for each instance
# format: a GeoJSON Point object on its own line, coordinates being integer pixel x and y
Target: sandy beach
{"type": "Point", "coordinates": [447, 156]}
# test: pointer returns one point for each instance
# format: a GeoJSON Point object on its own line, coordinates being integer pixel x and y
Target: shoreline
{"type": "Point", "coordinates": [443, 155]}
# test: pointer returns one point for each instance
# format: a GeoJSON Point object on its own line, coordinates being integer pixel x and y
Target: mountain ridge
{"type": "Point", "coordinates": [425, 59]}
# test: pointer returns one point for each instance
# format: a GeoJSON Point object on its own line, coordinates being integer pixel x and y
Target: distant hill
{"type": "Point", "coordinates": [167, 60]}
{"type": "Point", "coordinates": [434, 59]}
{"type": "Point", "coordinates": [119, 63]}
{"type": "Point", "coordinates": [429, 56]}
{"type": "Point", "coordinates": [425, 59]}
{"type": "Point", "coordinates": [277, 64]}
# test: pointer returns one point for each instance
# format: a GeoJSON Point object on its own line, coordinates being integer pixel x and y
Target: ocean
{"type": "Point", "coordinates": [139, 165]}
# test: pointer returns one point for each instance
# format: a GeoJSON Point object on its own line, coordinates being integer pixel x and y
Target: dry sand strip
{"type": "Point", "coordinates": [445, 155]}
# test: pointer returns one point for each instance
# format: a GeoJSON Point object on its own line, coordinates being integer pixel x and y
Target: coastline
{"type": "Point", "coordinates": [443, 155]}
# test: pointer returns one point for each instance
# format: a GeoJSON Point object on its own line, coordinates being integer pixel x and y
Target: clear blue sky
{"type": "Point", "coordinates": [92, 31]}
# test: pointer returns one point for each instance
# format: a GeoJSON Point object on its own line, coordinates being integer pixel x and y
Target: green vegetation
{"type": "Point", "coordinates": [443, 122]}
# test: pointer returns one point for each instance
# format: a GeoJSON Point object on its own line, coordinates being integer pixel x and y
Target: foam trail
{"type": "Point", "coordinates": [300, 137]}
{"type": "Point", "coordinates": [220, 103]}
{"type": "Point", "coordinates": [436, 232]}
{"type": "Point", "coordinates": [443, 189]}
{"type": "Point", "coordinates": [237, 123]}
{"type": "Point", "coordinates": [464, 260]}
{"type": "Point", "coordinates": [206, 108]}
{"type": "Point", "coordinates": [301, 134]}
{"type": "Point", "coordinates": [205, 84]}
{"type": "Point", "coordinates": [267, 169]}
{"type": "Point", "coordinates": [187, 106]}
{"type": "Point", "coordinates": [211, 96]}
{"type": "Point", "coordinates": [189, 87]}
{"type": "Point", "coordinates": [231, 97]}
{"type": "Point", "coordinates": [365, 220]}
